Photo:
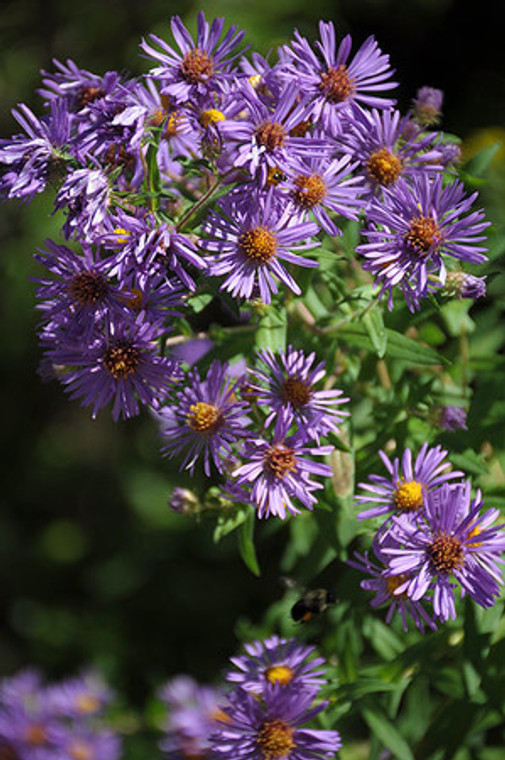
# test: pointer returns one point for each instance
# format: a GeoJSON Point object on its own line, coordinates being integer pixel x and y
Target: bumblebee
{"type": "Point", "coordinates": [313, 602]}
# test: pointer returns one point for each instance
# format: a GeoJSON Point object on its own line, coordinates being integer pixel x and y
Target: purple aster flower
{"type": "Point", "coordinates": [412, 227]}
{"type": "Point", "coordinates": [121, 366]}
{"type": "Point", "coordinates": [408, 483]}
{"type": "Point", "coordinates": [451, 418]}
{"type": "Point", "coordinates": [82, 289]}
{"type": "Point", "coordinates": [277, 661]}
{"type": "Point", "coordinates": [252, 234]}
{"type": "Point", "coordinates": [34, 159]}
{"type": "Point", "coordinates": [28, 729]}
{"type": "Point", "coordinates": [288, 386]}
{"type": "Point", "coordinates": [88, 743]}
{"type": "Point", "coordinates": [319, 186]}
{"type": "Point", "coordinates": [273, 727]}
{"type": "Point", "coordinates": [85, 194]}
{"type": "Point", "coordinates": [336, 81]}
{"type": "Point", "coordinates": [205, 420]}
{"type": "Point", "coordinates": [464, 285]}
{"type": "Point", "coordinates": [277, 471]}
{"type": "Point", "coordinates": [199, 68]}
{"type": "Point", "coordinates": [193, 714]}
{"type": "Point", "coordinates": [376, 140]}
{"type": "Point", "coordinates": [453, 543]}
{"type": "Point", "coordinates": [427, 105]}
{"type": "Point", "coordinates": [79, 698]}
{"type": "Point", "coordinates": [266, 138]}
{"type": "Point", "coordinates": [386, 588]}
{"type": "Point", "coordinates": [77, 88]}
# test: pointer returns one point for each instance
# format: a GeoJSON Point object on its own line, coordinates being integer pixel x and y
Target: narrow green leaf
{"type": "Point", "coordinates": [374, 325]}
{"type": "Point", "coordinates": [398, 345]}
{"type": "Point", "coordinates": [386, 732]}
{"type": "Point", "coordinates": [246, 543]}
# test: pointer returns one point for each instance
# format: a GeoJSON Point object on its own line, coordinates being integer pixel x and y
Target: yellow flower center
{"type": "Point", "coordinates": [78, 750]}
{"type": "Point", "coordinates": [409, 496]}
{"type": "Point", "coordinates": [423, 235]}
{"type": "Point", "coordinates": [384, 167]}
{"type": "Point", "coordinates": [275, 739]}
{"type": "Point", "coordinates": [204, 418]}
{"type": "Point", "coordinates": [336, 84]}
{"type": "Point", "coordinates": [122, 236]}
{"type": "Point", "coordinates": [212, 116]}
{"type": "Point", "coordinates": [308, 191]}
{"type": "Point", "coordinates": [87, 703]}
{"type": "Point", "coordinates": [282, 674]}
{"type": "Point", "coordinates": [258, 245]}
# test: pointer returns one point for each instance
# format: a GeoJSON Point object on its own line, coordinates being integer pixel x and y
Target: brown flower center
{"type": "Point", "coordinates": [423, 234]}
{"type": "Point", "coordinates": [88, 288]}
{"type": "Point", "coordinates": [446, 553]}
{"type": "Point", "coordinates": [394, 582]}
{"type": "Point", "coordinates": [296, 391]}
{"type": "Point", "coordinates": [280, 460]}
{"type": "Point", "coordinates": [204, 418]}
{"type": "Point", "coordinates": [121, 360]}
{"type": "Point", "coordinates": [409, 496]}
{"type": "Point", "coordinates": [336, 84]}
{"type": "Point", "coordinates": [88, 95]}
{"type": "Point", "coordinates": [384, 167]}
{"type": "Point", "coordinates": [258, 245]}
{"type": "Point", "coordinates": [301, 129]}
{"type": "Point", "coordinates": [308, 191]}
{"type": "Point", "coordinates": [271, 135]}
{"type": "Point", "coordinates": [196, 66]}
{"type": "Point", "coordinates": [282, 674]}
{"type": "Point", "coordinates": [275, 739]}
{"type": "Point", "coordinates": [36, 734]}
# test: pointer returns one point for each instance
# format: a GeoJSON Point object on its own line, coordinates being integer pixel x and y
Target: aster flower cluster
{"type": "Point", "coordinates": [288, 149]}
{"type": "Point", "coordinates": [436, 543]}
{"type": "Point", "coordinates": [64, 720]}
{"type": "Point", "coordinates": [257, 430]}
{"type": "Point", "coordinates": [276, 691]}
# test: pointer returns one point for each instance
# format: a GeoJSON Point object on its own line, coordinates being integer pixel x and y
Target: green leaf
{"type": "Point", "coordinates": [408, 350]}
{"type": "Point", "coordinates": [386, 732]}
{"type": "Point", "coordinates": [398, 345]}
{"type": "Point", "coordinates": [479, 163]}
{"type": "Point", "coordinates": [228, 523]}
{"type": "Point", "coordinates": [246, 543]}
{"type": "Point", "coordinates": [272, 329]}
{"type": "Point", "coordinates": [374, 325]}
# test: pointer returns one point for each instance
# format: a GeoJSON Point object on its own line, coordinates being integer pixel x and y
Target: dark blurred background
{"type": "Point", "coordinates": [93, 565]}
